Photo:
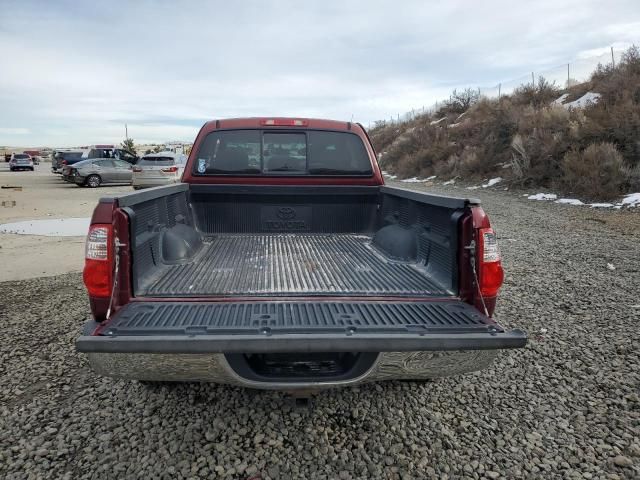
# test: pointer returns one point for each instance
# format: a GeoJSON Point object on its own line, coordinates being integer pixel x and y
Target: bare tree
{"type": "Point", "coordinates": [459, 102]}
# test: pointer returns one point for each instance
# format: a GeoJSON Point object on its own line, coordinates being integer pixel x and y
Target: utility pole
{"type": "Point", "coordinates": [126, 132]}
{"type": "Point", "coordinates": [613, 60]}
{"type": "Point", "coordinates": [533, 80]}
{"type": "Point", "coordinates": [568, 77]}
{"type": "Point", "coordinates": [499, 88]}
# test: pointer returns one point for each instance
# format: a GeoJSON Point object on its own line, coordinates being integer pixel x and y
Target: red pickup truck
{"type": "Point", "coordinates": [283, 261]}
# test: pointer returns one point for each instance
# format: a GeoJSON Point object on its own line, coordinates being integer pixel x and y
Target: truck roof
{"type": "Point", "coordinates": [278, 122]}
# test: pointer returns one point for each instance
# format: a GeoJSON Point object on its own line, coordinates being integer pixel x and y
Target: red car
{"type": "Point", "coordinates": [282, 261]}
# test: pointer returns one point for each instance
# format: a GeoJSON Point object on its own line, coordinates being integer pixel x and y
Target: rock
{"type": "Point", "coordinates": [622, 461]}
{"type": "Point", "coordinates": [273, 471]}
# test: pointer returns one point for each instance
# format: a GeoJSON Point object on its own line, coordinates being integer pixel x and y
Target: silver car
{"type": "Point", "coordinates": [21, 161]}
{"type": "Point", "coordinates": [155, 169]}
{"type": "Point", "coordinates": [100, 171]}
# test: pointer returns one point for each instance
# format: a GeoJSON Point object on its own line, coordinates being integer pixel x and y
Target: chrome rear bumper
{"type": "Point", "coordinates": [213, 367]}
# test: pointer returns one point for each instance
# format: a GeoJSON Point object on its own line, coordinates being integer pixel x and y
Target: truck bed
{"type": "Point", "coordinates": [287, 264]}
{"type": "Point", "coordinates": [238, 241]}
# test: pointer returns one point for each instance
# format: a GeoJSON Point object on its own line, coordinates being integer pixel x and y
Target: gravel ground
{"type": "Point", "coordinates": [567, 406]}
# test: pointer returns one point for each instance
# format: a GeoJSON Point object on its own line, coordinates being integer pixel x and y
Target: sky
{"type": "Point", "coordinates": [75, 72]}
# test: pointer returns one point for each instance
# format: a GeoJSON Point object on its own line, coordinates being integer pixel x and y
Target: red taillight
{"type": "Point", "coordinates": [98, 263]}
{"type": "Point", "coordinates": [172, 169]}
{"type": "Point", "coordinates": [490, 271]}
{"type": "Point", "coordinates": [137, 169]}
{"type": "Point", "coordinates": [284, 122]}
{"type": "Point", "coordinates": [64, 162]}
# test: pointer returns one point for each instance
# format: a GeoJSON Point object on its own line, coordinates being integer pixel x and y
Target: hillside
{"type": "Point", "coordinates": [583, 141]}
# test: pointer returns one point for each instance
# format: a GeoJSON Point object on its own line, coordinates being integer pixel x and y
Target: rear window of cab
{"type": "Point", "coordinates": [284, 153]}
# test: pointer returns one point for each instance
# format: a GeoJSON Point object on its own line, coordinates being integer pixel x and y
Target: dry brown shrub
{"type": "Point", "coordinates": [597, 172]}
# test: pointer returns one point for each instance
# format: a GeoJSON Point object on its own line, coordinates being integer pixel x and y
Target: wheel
{"type": "Point", "coordinates": [33, 169]}
{"type": "Point", "coordinates": [93, 181]}
{"type": "Point", "coordinates": [12, 169]}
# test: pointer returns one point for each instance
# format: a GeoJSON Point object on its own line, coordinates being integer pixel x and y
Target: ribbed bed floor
{"type": "Point", "coordinates": [291, 265]}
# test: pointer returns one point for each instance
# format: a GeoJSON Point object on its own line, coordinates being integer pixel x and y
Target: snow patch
{"type": "Point", "coordinates": [587, 99]}
{"type": "Point", "coordinates": [560, 100]}
{"type": "Point", "coordinates": [56, 227]}
{"type": "Point", "coordinates": [631, 200]}
{"type": "Point", "coordinates": [436, 122]}
{"type": "Point", "coordinates": [492, 182]}
{"type": "Point", "coordinates": [450, 182]}
{"type": "Point", "coordinates": [430, 178]}
{"type": "Point", "coordinates": [473, 188]}
{"type": "Point", "coordinates": [454, 125]}
{"type": "Point", "coordinates": [543, 196]}
{"type": "Point", "coordinates": [570, 201]}
{"type": "Point", "coordinates": [413, 180]}
{"type": "Point", "coordinates": [601, 205]}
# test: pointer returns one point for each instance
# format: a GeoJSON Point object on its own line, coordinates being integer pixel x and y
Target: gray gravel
{"type": "Point", "coordinates": [565, 407]}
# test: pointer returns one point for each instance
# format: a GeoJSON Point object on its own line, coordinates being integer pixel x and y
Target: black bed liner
{"type": "Point", "coordinates": [296, 326]}
{"type": "Point", "coordinates": [284, 264]}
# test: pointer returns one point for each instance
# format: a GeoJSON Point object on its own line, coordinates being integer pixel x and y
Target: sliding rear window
{"type": "Point", "coordinates": [268, 152]}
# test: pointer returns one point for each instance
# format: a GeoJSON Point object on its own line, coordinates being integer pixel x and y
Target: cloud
{"type": "Point", "coordinates": [14, 131]}
{"type": "Point", "coordinates": [80, 71]}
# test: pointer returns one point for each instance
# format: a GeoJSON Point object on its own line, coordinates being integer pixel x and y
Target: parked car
{"type": "Point", "coordinates": [72, 157]}
{"type": "Point", "coordinates": [297, 273]}
{"type": "Point", "coordinates": [95, 172]}
{"type": "Point", "coordinates": [65, 157]}
{"type": "Point", "coordinates": [109, 151]}
{"type": "Point", "coordinates": [21, 161]}
{"type": "Point", "coordinates": [155, 169]}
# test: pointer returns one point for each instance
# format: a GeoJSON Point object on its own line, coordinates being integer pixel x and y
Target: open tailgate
{"type": "Point", "coordinates": [297, 326]}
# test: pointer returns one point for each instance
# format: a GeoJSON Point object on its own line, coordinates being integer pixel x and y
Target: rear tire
{"type": "Point", "coordinates": [93, 181]}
